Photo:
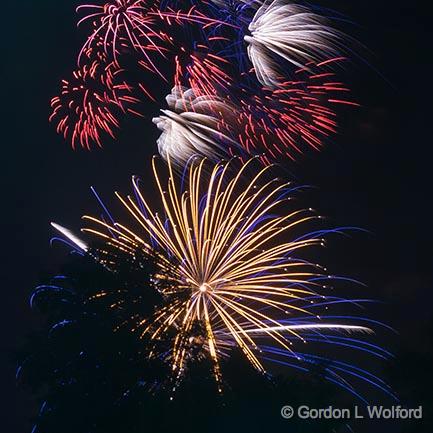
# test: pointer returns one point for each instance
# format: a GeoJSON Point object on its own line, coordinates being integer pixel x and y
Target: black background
{"type": "Point", "coordinates": [376, 174]}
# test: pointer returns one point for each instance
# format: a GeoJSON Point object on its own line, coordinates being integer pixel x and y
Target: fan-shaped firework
{"type": "Point", "coordinates": [90, 102]}
{"type": "Point", "coordinates": [229, 271]}
{"type": "Point", "coordinates": [193, 126]}
{"type": "Point", "coordinates": [286, 32]}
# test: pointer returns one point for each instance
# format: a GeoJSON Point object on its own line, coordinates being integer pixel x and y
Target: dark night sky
{"type": "Point", "coordinates": [376, 174]}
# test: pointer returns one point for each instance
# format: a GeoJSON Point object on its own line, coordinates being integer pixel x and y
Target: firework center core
{"type": "Point", "coordinates": [204, 288]}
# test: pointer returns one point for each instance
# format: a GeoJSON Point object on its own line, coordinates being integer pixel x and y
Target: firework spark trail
{"type": "Point", "coordinates": [288, 32]}
{"type": "Point", "coordinates": [69, 235]}
{"type": "Point", "coordinates": [202, 71]}
{"type": "Point", "coordinates": [90, 103]}
{"type": "Point", "coordinates": [222, 240]}
{"type": "Point", "coordinates": [192, 16]}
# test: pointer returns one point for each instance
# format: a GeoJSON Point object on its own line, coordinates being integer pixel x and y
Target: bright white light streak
{"type": "Point", "coordinates": [69, 235]}
{"type": "Point", "coordinates": [313, 327]}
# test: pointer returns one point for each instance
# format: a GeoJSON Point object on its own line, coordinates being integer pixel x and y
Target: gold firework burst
{"type": "Point", "coordinates": [219, 245]}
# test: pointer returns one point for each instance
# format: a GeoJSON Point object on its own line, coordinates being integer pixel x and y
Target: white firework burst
{"type": "Point", "coordinates": [288, 32]}
{"type": "Point", "coordinates": [193, 126]}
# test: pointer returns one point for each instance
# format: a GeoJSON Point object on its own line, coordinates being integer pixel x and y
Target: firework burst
{"type": "Point", "coordinates": [288, 32]}
{"type": "Point", "coordinates": [298, 115]}
{"type": "Point", "coordinates": [90, 103]}
{"type": "Point", "coordinates": [225, 268]}
{"type": "Point", "coordinates": [120, 22]}
{"type": "Point", "coordinates": [193, 126]}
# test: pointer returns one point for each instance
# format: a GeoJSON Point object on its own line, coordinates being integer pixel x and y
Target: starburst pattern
{"type": "Point", "coordinates": [125, 21]}
{"type": "Point", "coordinates": [230, 271]}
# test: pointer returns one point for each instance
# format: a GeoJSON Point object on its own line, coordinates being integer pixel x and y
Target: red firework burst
{"type": "Point", "coordinates": [299, 114]}
{"type": "Point", "coordinates": [90, 103]}
{"type": "Point", "coordinates": [124, 21]}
